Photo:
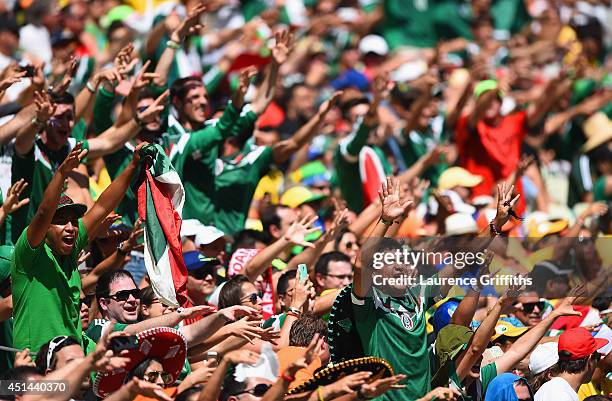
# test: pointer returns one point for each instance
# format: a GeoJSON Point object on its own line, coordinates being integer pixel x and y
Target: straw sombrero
{"type": "Point", "coordinates": [598, 130]}
{"type": "Point", "coordinates": [165, 344]}
{"type": "Point", "coordinates": [379, 367]}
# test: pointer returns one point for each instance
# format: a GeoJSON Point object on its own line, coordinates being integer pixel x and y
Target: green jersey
{"type": "Point", "coordinates": [195, 159]}
{"type": "Point", "coordinates": [346, 165]}
{"type": "Point", "coordinates": [599, 191]}
{"type": "Point", "coordinates": [416, 144]}
{"type": "Point", "coordinates": [46, 292]}
{"type": "Point", "coordinates": [37, 168]}
{"type": "Point", "coordinates": [235, 182]}
{"type": "Point", "coordinates": [395, 329]}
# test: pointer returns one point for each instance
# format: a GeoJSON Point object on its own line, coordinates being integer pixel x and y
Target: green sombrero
{"type": "Point", "coordinates": [379, 367]}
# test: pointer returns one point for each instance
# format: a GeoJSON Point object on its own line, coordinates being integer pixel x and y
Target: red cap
{"type": "Point", "coordinates": [579, 343]}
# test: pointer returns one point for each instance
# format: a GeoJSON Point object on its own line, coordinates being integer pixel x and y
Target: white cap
{"type": "Point", "coordinates": [460, 223]}
{"type": "Point", "coordinates": [543, 357]}
{"type": "Point", "coordinates": [207, 235]}
{"type": "Point", "coordinates": [190, 227]}
{"type": "Point", "coordinates": [373, 44]}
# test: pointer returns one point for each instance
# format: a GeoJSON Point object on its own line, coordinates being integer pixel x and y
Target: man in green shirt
{"type": "Point", "coordinates": [46, 281]}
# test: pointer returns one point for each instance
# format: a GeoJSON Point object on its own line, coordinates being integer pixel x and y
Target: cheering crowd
{"type": "Point", "coordinates": [199, 198]}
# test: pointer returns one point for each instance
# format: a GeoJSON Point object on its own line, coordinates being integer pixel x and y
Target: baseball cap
{"type": "Point", "coordinates": [350, 78]}
{"type": "Point", "coordinates": [458, 177]}
{"type": "Point", "coordinates": [207, 235]}
{"type": "Point", "coordinates": [460, 223]}
{"type": "Point", "coordinates": [485, 86]}
{"type": "Point", "coordinates": [373, 44]}
{"type": "Point", "coordinates": [66, 205]}
{"type": "Point", "coordinates": [190, 227]}
{"type": "Point", "coordinates": [442, 316]}
{"type": "Point", "coordinates": [298, 195]}
{"type": "Point", "coordinates": [543, 357]}
{"type": "Point", "coordinates": [578, 343]}
{"type": "Point", "coordinates": [195, 260]}
{"type": "Point", "coordinates": [503, 328]}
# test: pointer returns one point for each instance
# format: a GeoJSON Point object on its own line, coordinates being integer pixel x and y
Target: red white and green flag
{"type": "Point", "coordinates": [160, 204]}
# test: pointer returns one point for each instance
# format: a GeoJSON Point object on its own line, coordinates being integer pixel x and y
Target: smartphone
{"type": "Point", "coordinates": [302, 271]}
{"type": "Point", "coordinates": [118, 344]}
{"type": "Point", "coordinates": [29, 70]}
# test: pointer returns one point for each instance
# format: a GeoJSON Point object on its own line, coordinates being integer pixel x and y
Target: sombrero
{"type": "Point", "coordinates": [343, 338]}
{"type": "Point", "coordinates": [165, 344]}
{"type": "Point", "coordinates": [379, 367]}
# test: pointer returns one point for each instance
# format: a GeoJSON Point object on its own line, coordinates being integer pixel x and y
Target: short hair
{"type": "Point", "coordinates": [21, 374]}
{"type": "Point", "coordinates": [482, 20]}
{"type": "Point", "coordinates": [247, 239]}
{"type": "Point", "coordinates": [9, 24]}
{"type": "Point", "coordinates": [283, 282]}
{"type": "Point", "coordinates": [304, 329]}
{"type": "Point", "coordinates": [322, 266]}
{"type": "Point", "coordinates": [231, 293]}
{"type": "Point", "coordinates": [105, 281]}
{"type": "Point", "coordinates": [405, 95]}
{"type": "Point", "coordinates": [182, 86]}
{"type": "Point", "coordinates": [231, 386]}
{"type": "Point", "coordinates": [62, 98]}
{"type": "Point", "coordinates": [146, 93]}
{"type": "Point", "coordinates": [41, 356]}
{"type": "Point", "coordinates": [114, 26]}
{"type": "Point", "coordinates": [571, 366]}
{"type": "Point", "coordinates": [269, 217]}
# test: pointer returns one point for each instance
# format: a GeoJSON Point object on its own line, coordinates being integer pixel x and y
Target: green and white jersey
{"type": "Point", "coordinates": [395, 329]}
{"type": "Point", "coordinates": [37, 168]}
{"type": "Point", "coordinates": [98, 326]}
{"type": "Point", "coordinates": [236, 178]}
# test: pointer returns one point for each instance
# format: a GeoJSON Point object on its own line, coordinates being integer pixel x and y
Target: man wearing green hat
{"type": "Point", "coordinates": [46, 283]}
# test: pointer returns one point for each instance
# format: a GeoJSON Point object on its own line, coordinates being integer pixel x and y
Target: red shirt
{"type": "Point", "coordinates": [491, 152]}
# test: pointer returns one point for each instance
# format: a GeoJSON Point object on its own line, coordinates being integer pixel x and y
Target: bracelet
{"type": "Point", "coordinates": [287, 378]}
{"type": "Point", "coordinates": [385, 222]}
{"type": "Point", "coordinates": [295, 311]}
{"type": "Point", "coordinates": [494, 229]}
{"type": "Point", "coordinates": [121, 250]}
{"type": "Point", "coordinates": [90, 87]}
{"type": "Point", "coordinates": [173, 45]}
{"type": "Point", "coordinates": [320, 394]}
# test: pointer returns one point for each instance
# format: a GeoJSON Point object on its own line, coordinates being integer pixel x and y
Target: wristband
{"type": "Point", "coordinates": [173, 45]}
{"type": "Point", "coordinates": [385, 222]}
{"type": "Point", "coordinates": [90, 87]}
{"type": "Point", "coordinates": [494, 229]}
{"type": "Point", "coordinates": [287, 378]}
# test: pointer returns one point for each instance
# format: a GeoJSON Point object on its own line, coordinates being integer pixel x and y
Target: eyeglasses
{"type": "Point", "coordinates": [53, 344]}
{"type": "Point", "coordinates": [258, 391]}
{"type": "Point", "coordinates": [124, 295]}
{"type": "Point", "coordinates": [151, 377]}
{"type": "Point", "coordinates": [528, 307]}
{"type": "Point", "coordinates": [252, 298]}
{"type": "Point", "coordinates": [342, 276]}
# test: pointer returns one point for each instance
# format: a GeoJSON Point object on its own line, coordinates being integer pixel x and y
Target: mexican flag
{"type": "Point", "coordinates": [160, 204]}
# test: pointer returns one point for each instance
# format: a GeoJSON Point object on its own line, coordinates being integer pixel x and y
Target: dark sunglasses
{"type": "Point", "coordinates": [351, 245]}
{"type": "Point", "coordinates": [258, 391]}
{"type": "Point", "coordinates": [202, 273]}
{"type": "Point", "coordinates": [528, 307]}
{"type": "Point", "coordinates": [252, 298]}
{"type": "Point", "coordinates": [151, 377]}
{"type": "Point", "coordinates": [87, 300]}
{"type": "Point", "coordinates": [63, 220]}
{"type": "Point", "coordinates": [124, 295]}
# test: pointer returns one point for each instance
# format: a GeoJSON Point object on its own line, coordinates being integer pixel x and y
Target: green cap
{"type": "Point", "coordinates": [485, 86]}
{"type": "Point", "coordinates": [6, 257]}
{"type": "Point", "coordinates": [118, 13]}
{"type": "Point", "coordinates": [451, 340]}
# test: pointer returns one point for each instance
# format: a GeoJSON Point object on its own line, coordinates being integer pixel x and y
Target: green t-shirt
{"type": "Point", "coordinates": [415, 145]}
{"type": "Point", "coordinates": [235, 182]}
{"type": "Point", "coordinates": [37, 168]}
{"type": "Point", "coordinates": [346, 165]}
{"type": "Point", "coordinates": [395, 329]}
{"type": "Point", "coordinates": [46, 292]}
{"type": "Point", "coordinates": [195, 159]}
{"type": "Point", "coordinates": [6, 339]}
{"type": "Point", "coordinates": [599, 190]}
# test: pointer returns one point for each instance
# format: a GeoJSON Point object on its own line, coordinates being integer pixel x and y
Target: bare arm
{"type": "Point", "coordinates": [537, 110]}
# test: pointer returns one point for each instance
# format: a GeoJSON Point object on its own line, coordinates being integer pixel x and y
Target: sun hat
{"type": "Point", "coordinates": [459, 224]}
{"type": "Point", "coordinates": [458, 177]}
{"type": "Point", "coordinates": [298, 195]}
{"type": "Point", "coordinates": [164, 344]}
{"type": "Point", "coordinates": [543, 357]}
{"type": "Point", "coordinates": [598, 130]}
{"type": "Point", "coordinates": [503, 328]}
{"type": "Point", "coordinates": [578, 343]}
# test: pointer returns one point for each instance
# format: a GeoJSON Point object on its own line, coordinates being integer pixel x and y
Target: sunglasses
{"type": "Point", "coordinates": [53, 344]}
{"type": "Point", "coordinates": [63, 220]}
{"type": "Point", "coordinates": [201, 274]}
{"type": "Point", "coordinates": [258, 391]}
{"type": "Point", "coordinates": [152, 377]}
{"type": "Point", "coordinates": [124, 295]}
{"type": "Point", "coordinates": [252, 298]}
{"type": "Point", "coordinates": [87, 300]}
{"type": "Point", "coordinates": [528, 307]}
{"type": "Point", "coordinates": [351, 245]}
{"type": "Point", "coordinates": [341, 276]}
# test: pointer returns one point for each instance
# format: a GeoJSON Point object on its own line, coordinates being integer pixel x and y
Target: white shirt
{"type": "Point", "coordinates": [557, 389]}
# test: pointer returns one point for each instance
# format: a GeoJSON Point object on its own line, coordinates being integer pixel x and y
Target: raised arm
{"type": "Point", "coordinates": [538, 109]}
{"type": "Point", "coordinates": [11, 201]}
{"type": "Point", "coordinates": [203, 328]}
{"type": "Point", "coordinates": [188, 26]}
{"type": "Point", "coordinates": [284, 149]}
{"type": "Point", "coordinates": [37, 230]}
{"type": "Point", "coordinates": [27, 132]}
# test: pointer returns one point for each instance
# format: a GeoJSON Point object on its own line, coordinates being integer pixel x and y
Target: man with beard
{"type": "Point", "coordinates": [44, 269]}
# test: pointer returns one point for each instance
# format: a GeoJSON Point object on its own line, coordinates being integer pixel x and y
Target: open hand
{"type": "Point", "coordinates": [282, 48]}
{"type": "Point", "coordinates": [392, 206]}
{"type": "Point", "coordinates": [12, 202]}
{"type": "Point", "coordinates": [73, 159]}
{"type": "Point", "coordinates": [297, 232]}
